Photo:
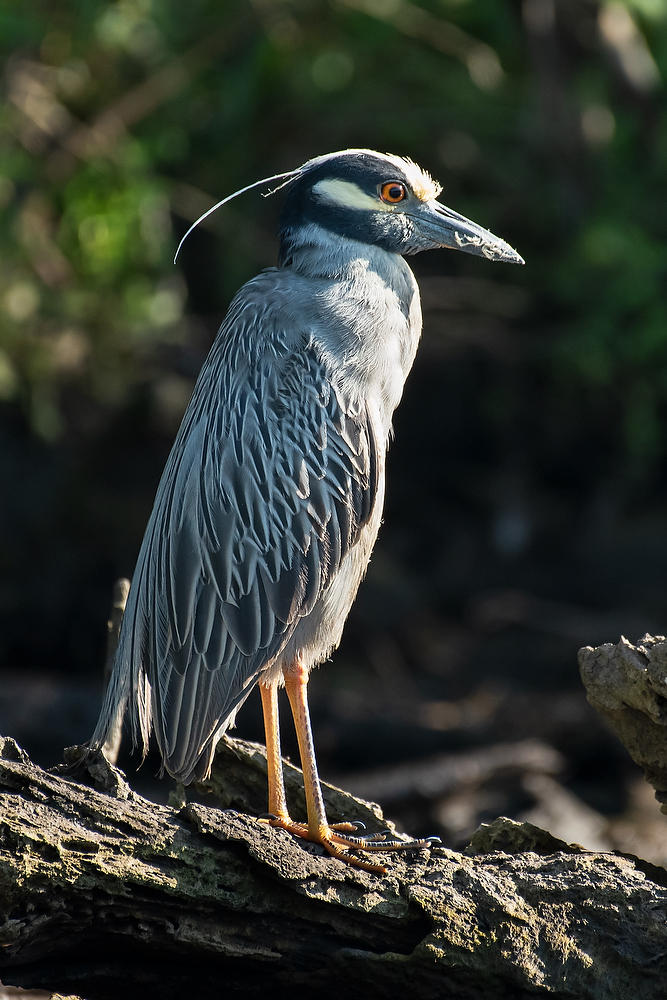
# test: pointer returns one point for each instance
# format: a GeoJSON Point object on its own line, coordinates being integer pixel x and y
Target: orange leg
{"type": "Point", "coordinates": [317, 829]}
{"type": "Point", "coordinates": [278, 811]}
{"type": "Point", "coordinates": [277, 800]}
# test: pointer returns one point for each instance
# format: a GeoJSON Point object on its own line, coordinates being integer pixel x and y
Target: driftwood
{"type": "Point", "coordinates": [627, 685]}
{"type": "Point", "coordinates": [106, 894]}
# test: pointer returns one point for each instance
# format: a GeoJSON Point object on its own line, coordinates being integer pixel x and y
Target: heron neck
{"type": "Point", "coordinates": [365, 314]}
{"type": "Point", "coordinates": [314, 252]}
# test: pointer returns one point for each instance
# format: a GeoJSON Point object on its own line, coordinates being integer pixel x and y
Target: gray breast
{"type": "Point", "coordinates": [366, 324]}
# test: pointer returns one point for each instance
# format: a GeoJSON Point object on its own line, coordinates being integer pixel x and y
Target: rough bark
{"type": "Point", "coordinates": [105, 894]}
{"type": "Point", "coordinates": [627, 685]}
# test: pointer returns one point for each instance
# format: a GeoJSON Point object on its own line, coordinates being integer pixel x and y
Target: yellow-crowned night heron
{"type": "Point", "coordinates": [270, 502]}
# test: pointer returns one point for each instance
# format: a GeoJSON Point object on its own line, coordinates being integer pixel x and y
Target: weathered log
{"type": "Point", "coordinates": [107, 894]}
{"type": "Point", "coordinates": [627, 685]}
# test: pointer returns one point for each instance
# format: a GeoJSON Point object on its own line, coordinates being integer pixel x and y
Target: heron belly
{"type": "Point", "coordinates": [319, 633]}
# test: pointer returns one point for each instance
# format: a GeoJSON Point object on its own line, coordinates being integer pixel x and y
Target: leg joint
{"type": "Point", "coordinates": [296, 672]}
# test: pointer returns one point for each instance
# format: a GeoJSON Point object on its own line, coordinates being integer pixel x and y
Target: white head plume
{"type": "Point", "coordinates": [422, 183]}
{"type": "Point", "coordinates": [290, 175]}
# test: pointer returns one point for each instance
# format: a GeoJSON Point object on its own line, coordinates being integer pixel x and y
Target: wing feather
{"type": "Point", "coordinates": [270, 481]}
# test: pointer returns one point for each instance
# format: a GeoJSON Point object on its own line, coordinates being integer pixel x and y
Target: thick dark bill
{"type": "Point", "coordinates": [452, 230]}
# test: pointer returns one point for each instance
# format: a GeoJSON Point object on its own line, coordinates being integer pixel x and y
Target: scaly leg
{"type": "Point", "coordinates": [318, 829]}
{"type": "Point", "coordinates": [278, 813]}
{"type": "Point", "coordinates": [277, 800]}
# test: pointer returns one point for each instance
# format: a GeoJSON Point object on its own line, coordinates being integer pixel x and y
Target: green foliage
{"type": "Point", "coordinates": [123, 120]}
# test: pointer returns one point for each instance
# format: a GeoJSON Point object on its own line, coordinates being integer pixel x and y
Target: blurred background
{"type": "Point", "coordinates": [526, 510]}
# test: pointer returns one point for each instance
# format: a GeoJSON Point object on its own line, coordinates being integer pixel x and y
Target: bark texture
{"type": "Point", "coordinates": [627, 685]}
{"type": "Point", "coordinates": [105, 893]}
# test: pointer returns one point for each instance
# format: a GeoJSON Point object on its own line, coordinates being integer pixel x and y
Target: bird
{"type": "Point", "coordinates": [271, 499]}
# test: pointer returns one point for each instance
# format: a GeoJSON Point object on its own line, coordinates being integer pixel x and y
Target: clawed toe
{"type": "Point", "coordinates": [344, 846]}
{"type": "Point", "coordinates": [344, 840]}
{"type": "Point", "coordinates": [349, 826]}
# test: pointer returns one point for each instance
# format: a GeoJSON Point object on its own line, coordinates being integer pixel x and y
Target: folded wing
{"type": "Point", "coordinates": [270, 480]}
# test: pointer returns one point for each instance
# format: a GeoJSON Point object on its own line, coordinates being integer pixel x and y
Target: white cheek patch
{"type": "Point", "coordinates": [346, 194]}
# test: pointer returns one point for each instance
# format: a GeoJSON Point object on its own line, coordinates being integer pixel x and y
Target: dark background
{"type": "Point", "coordinates": [526, 505]}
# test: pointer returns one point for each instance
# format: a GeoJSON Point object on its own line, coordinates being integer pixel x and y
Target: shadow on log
{"type": "Point", "coordinates": [105, 893]}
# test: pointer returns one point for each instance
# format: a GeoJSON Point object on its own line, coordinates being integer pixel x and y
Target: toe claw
{"type": "Point", "coordinates": [348, 826]}
{"type": "Point", "coordinates": [340, 841]}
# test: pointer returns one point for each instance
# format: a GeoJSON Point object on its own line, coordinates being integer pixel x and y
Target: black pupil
{"type": "Point", "coordinates": [395, 192]}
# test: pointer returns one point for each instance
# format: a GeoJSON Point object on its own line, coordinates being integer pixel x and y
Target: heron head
{"type": "Point", "coordinates": [385, 201]}
{"type": "Point", "coordinates": [374, 198]}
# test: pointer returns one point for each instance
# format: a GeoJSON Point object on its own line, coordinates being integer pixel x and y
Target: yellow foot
{"type": "Point", "coordinates": [339, 846]}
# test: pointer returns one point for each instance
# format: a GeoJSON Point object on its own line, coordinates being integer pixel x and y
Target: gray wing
{"type": "Point", "coordinates": [268, 485]}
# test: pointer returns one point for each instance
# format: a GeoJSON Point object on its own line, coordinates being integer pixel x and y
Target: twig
{"type": "Point", "coordinates": [121, 589]}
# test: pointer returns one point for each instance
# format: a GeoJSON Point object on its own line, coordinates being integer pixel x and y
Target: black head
{"type": "Point", "coordinates": [358, 194]}
{"type": "Point", "coordinates": [382, 200]}
{"type": "Point", "coordinates": [374, 198]}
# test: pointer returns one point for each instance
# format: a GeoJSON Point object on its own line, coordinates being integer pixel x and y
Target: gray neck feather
{"type": "Point", "coordinates": [368, 316]}
{"type": "Point", "coordinates": [314, 252]}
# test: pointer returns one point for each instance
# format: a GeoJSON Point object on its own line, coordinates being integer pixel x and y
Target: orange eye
{"type": "Point", "coordinates": [392, 192]}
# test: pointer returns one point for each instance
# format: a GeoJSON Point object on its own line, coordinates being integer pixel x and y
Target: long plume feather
{"type": "Point", "coordinates": [290, 175]}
